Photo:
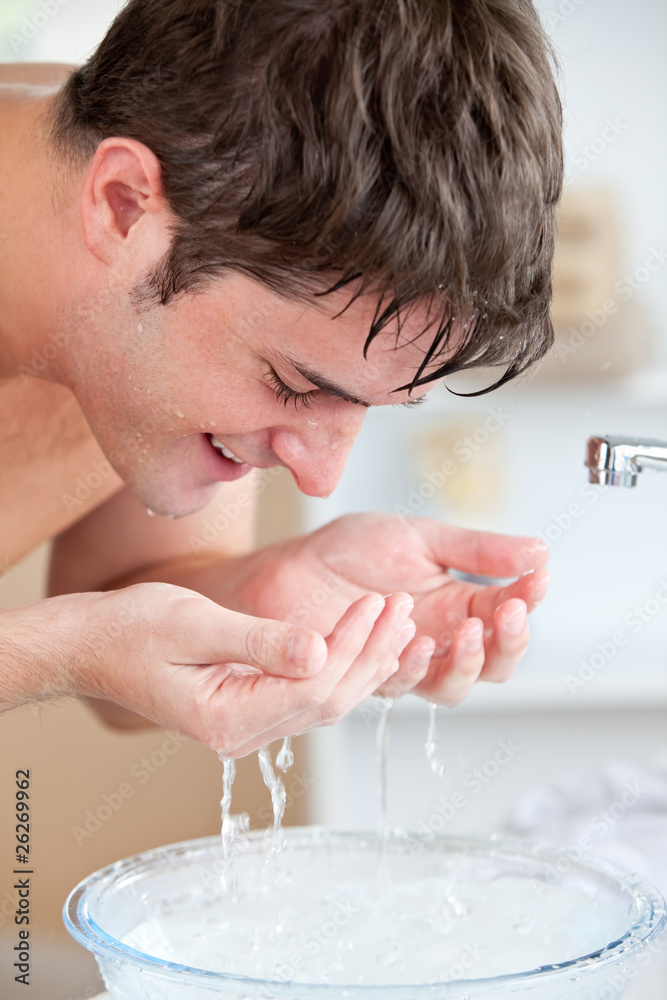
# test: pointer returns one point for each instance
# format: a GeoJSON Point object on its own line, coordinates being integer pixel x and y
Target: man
{"type": "Point", "coordinates": [233, 230]}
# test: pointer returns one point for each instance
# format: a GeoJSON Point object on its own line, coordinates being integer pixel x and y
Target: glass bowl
{"type": "Point", "coordinates": [618, 920]}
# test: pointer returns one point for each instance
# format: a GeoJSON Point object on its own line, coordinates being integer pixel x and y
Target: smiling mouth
{"type": "Point", "coordinates": [224, 450]}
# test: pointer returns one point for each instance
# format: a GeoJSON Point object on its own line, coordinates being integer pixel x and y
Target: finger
{"type": "Point", "coordinates": [274, 647]}
{"type": "Point", "coordinates": [461, 668]}
{"type": "Point", "coordinates": [529, 588]}
{"type": "Point", "coordinates": [389, 640]}
{"type": "Point", "coordinates": [353, 659]}
{"type": "Point", "coordinates": [483, 552]}
{"type": "Point", "coordinates": [507, 643]}
{"type": "Point", "coordinates": [378, 659]}
{"type": "Point", "coordinates": [350, 634]}
{"type": "Point", "coordinates": [414, 666]}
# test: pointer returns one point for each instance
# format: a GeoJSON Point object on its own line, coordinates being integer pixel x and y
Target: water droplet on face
{"type": "Point", "coordinates": [151, 513]}
{"type": "Point", "coordinates": [140, 328]}
{"type": "Point", "coordinates": [179, 413]}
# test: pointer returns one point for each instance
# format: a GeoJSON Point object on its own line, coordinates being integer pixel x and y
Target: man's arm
{"type": "Point", "coordinates": [35, 646]}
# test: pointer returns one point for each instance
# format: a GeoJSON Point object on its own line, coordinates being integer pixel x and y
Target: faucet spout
{"type": "Point", "coordinates": [617, 461]}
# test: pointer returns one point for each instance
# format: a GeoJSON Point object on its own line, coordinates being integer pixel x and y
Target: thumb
{"type": "Point", "coordinates": [274, 647]}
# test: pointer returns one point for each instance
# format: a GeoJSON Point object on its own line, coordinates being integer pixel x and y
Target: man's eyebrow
{"type": "Point", "coordinates": [326, 385]}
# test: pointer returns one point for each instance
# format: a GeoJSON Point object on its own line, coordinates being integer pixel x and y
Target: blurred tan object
{"type": "Point", "coordinates": [26, 581]}
{"type": "Point", "coordinates": [588, 254]}
{"type": "Point", "coordinates": [475, 483]}
{"type": "Point", "coordinates": [601, 330]}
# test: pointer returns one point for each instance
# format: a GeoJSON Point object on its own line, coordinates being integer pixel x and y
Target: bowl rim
{"type": "Point", "coordinates": [649, 920]}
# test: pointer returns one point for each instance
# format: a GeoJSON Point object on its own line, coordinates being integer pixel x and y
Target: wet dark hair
{"type": "Point", "coordinates": [409, 148]}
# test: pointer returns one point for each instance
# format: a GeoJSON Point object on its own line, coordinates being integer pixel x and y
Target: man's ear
{"type": "Point", "coordinates": [122, 203]}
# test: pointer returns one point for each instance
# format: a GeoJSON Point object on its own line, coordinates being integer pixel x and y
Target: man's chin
{"type": "Point", "coordinates": [180, 479]}
{"type": "Point", "coordinates": [174, 502]}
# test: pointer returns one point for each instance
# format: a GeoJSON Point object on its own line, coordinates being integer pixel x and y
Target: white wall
{"type": "Point", "coordinates": [65, 31]}
{"type": "Point", "coordinates": [613, 65]}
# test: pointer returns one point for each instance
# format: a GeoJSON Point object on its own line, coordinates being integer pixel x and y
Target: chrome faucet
{"type": "Point", "coordinates": [616, 461]}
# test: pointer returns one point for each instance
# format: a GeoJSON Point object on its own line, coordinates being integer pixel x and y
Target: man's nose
{"type": "Point", "coordinates": [315, 448]}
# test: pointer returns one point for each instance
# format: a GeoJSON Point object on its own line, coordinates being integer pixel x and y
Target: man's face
{"type": "Point", "coordinates": [159, 385]}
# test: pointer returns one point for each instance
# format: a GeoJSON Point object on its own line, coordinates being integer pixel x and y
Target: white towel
{"type": "Point", "coordinates": [619, 813]}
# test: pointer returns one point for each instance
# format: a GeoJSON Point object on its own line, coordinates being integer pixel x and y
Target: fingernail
{"type": "Point", "coordinates": [540, 590]}
{"type": "Point", "coordinates": [300, 650]}
{"type": "Point", "coordinates": [472, 637]}
{"type": "Point", "coordinates": [515, 622]}
{"type": "Point", "coordinates": [405, 635]}
{"type": "Point", "coordinates": [375, 608]}
{"type": "Point", "coordinates": [425, 656]}
{"type": "Point", "coordinates": [402, 610]}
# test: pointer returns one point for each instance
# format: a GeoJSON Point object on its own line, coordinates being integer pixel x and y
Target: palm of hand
{"type": "Point", "coordinates": [313, 579]}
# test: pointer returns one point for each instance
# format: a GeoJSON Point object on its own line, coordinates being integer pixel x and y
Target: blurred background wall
{"type": "Point", "coordinates": [586, 712]}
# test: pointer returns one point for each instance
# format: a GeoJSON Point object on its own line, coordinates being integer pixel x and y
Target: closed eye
{"type": "Point", "coordinates": [284, 394]}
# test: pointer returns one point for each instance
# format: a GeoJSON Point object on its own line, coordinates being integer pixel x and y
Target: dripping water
{"type": "Point", "coordinates": [230, 828]}
{"type": "Point", "coordinates": [285, 758]}
{"type": "Point", "coordinates": [275, 787]}
{"type": "Point", "coordinates": [437, 766]}
{"type": "Point", "coordinates": [227, 829]}
{"type": "Point", "coordinates": [385, 706]}
{"type": "Point", "coordinates": [275, 834]}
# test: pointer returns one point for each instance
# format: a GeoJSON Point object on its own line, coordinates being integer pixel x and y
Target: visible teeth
{"type": "Point", "coordinates": [225, 451]}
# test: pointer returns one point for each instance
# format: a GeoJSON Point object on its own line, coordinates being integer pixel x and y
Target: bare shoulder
{"type": "Point", "coordinates": [34, 74]}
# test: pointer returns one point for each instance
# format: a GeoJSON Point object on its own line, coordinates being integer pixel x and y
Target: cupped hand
{"type": "Point", "coordinates": [474, 631]}
{"type": "Point", "coordinates": [228, 680]}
